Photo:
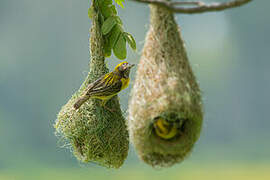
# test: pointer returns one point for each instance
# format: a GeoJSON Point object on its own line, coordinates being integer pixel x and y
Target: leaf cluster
{"type": "Point", "coordinates": [115, 38]}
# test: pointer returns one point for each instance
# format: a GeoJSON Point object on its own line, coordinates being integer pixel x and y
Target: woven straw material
{"type": "Point", "coordinates": [94, 133]}
{"type": "Point", "coordinates": [165, 87]}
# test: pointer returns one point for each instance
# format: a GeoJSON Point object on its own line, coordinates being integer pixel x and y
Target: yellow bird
{"type": "Point", "coordinates": [165, 129]}
{"type": "Point", "coordinates": [108, 85]}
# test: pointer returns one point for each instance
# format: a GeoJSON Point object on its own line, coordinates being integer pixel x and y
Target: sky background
{"type": "Point", "coordinates": [44, 59]}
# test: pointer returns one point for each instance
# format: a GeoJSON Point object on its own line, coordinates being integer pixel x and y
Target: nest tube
{"type": "Point", "coordinates": [165, 88]}
{"type": "Point", "coordinates": [94, 133]}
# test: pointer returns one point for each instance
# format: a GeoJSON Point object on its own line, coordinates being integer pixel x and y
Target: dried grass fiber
{"type": "Point", "coordinates": [165, 86]}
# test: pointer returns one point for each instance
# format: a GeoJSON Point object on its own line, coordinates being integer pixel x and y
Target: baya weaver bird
{"type": "Point", "coordinates": [108, 85]}
{"type": "Point", "coordinates": [165, 129]}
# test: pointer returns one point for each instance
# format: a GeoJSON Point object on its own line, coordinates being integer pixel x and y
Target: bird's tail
{"type": "Point", "coordinates": [80, 101]}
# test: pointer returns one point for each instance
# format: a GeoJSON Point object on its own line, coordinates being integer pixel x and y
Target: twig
{"type": "Point", "coordinates": [195, 6]}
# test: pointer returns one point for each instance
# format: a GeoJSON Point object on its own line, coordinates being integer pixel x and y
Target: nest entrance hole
{"type": "Point", "coordinates": [169, 126]}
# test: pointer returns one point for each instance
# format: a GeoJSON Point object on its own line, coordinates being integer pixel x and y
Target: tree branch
{"type": "Point", "coordinates": [195, 6]}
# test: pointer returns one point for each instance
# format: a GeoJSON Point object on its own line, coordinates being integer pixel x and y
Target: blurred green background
{"type": "Point", "coordinates": [44, 59]}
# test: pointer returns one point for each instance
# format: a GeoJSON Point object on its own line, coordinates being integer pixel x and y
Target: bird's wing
{"type": "Point", "coordinates": [105, 86]}
{"type": "Point", "coordinates": [94, 84]}
{"type": "Point", "coordinates": [108, 90]}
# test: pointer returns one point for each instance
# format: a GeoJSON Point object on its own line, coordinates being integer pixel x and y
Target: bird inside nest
{"type": "Point", "coordinates": [166, 129]}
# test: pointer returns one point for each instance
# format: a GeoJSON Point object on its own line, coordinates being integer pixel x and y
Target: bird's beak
{"type": "Point", "coordinates": [131, 65]}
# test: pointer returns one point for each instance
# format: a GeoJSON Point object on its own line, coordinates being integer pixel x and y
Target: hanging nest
{"type": "Point", "coordinates": [94, 133]}
{"type": "Point", "coordinates": [165, 89]}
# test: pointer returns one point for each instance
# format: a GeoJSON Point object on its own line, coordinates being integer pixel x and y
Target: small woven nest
{"type": "Point", "coordinates": [94, 133]}
{"type": "Point", "coordinates": [164, 87]}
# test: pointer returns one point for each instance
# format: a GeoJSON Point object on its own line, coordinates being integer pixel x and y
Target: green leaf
{"type": "Point", "coordinates": [100, 18]}
{"type": "Point", "coordinates": [120, 2]}
{"type": "Point", "coordinates": [131, 41]}
{"type": "Point", "coordinates": [106, 2]}
{"type": "Point", "coordinates": [114, 36]}
{"type": "Point", "coordinates": [120, 50]}
{"type": "Point", "coordinates": [102, 3]}
{"type": "Point", "coordinates": [113, 10]}
{"type": "Point", "coordinates": [108, 24]}
{"type": "Point", "coordinates": [107, 49]}
{"type": "Point", "coordinates": [108, 10]}
{"type": "Point", "coordinates": [90, 12]}
{"type": "Point", "coordinates": [118, 20]}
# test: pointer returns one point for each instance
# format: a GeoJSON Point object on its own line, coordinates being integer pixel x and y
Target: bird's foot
{"type": "Point", "coordinates": [109, 109]}
{"type": "Point", "coordinates": [103, 104]}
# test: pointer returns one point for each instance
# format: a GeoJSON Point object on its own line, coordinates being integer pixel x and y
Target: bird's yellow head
{"type": "Point", "coordinates": [123, 68]}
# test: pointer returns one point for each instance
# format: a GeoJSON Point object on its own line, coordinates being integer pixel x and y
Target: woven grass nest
{"type": "Point", "coordinates": [165, 87]}
{"type": "Point", "coordinates": [94, 133]}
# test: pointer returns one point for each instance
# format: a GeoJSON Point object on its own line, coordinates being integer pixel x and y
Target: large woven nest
{"type": "Point", "coordinates": [164, 87]}
{"type": "Point", "coordinates": [94, 133]}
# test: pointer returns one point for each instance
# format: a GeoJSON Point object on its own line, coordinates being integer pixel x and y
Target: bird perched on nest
{"type": "Point", "coordinates": [108, 85]}
{"type": "Point", "coordinates": [165, 129]}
